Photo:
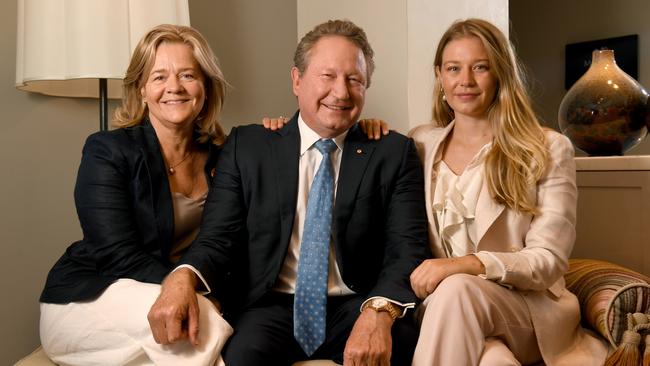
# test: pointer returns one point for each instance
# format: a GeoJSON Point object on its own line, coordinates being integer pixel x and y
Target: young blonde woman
{"type": "Point", "coordinates": [501, 203]}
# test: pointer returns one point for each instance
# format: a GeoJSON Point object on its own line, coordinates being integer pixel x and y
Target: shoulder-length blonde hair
{"type": "Point", "coordinates": [519, 156]}
{"type": "Point", "coordinates": [133, 109]}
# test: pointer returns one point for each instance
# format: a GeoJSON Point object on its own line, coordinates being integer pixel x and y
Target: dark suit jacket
{"type": "Point", "coordinates": [379, 221]}
{"type": "Point", "coordinates": [125, 209]}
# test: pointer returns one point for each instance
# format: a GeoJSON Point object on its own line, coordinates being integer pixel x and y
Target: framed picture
{"type": "Point", "coordinates": [578, 56]}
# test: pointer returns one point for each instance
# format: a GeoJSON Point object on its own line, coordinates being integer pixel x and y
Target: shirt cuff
{"type": "Point", "coordinates": [495, 270]}
{"type": "Point", "coordinates": [403, 306]}
{"type": "Point", "coordinates": [203, 291]}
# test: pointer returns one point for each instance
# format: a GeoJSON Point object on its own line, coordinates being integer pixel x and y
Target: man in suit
{"type": "Point", "coordinates": [314, 221]}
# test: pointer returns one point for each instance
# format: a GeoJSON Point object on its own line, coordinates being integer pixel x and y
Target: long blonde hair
{"type": "Point", "coordinates": [133, 109]}
{"type": "Point", "coordinates": [519, 156]}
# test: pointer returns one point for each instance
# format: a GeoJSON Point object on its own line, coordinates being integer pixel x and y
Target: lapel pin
{"type": "Point", "coordinates": [359, 151]}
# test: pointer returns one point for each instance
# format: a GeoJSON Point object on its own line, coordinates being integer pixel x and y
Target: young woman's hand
{"type": "Point", "coordinates": [274, 123]}
{"type": "Point", "coordinates": [431, 272]}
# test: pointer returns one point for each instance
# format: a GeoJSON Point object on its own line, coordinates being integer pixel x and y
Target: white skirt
{"type": "Point", "coordinates": [113, 330]}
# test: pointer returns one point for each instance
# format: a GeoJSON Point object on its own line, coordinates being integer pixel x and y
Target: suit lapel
{"type": "Point", "coordinates": [161, 200]}
{"type": "Point", "coordinates": [285, 148]}
{"type": "Point", "coordinates": [356, 155]}
{"type": "Point", "coordinates": [433, 154]}
{"type": "Point", "coordinates": [487, 211]}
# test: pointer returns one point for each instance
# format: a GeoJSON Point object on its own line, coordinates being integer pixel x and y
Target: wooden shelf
{"type": "Point", "coordinates": [614, 210]}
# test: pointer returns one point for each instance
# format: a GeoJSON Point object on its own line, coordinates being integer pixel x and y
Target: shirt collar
{"type": "Point", "coordinates": [308, 137]}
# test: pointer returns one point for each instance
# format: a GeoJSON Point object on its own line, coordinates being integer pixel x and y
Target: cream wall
{"type": "Point", "coordinates": [541, 29]}
{"type": "Point", "coordinates": [41, 140]}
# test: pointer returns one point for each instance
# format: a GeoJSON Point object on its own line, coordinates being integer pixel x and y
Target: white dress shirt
{"type": "Point", "coordinates": [310, 159]}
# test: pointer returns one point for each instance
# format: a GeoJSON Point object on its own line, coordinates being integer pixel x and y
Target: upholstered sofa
{"type": "Point", "coordinates": [607, 294]}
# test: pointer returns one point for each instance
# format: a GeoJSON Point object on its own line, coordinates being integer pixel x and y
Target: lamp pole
{"type": "Point", "coordinates": [103, 104]}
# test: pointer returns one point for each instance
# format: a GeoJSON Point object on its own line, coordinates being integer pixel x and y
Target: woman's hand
{"type": "Point", "coordinates": [274, 123]}
{"type": "Point", "coordinates": [431, 272]}
{"type": "Point", "coordinates": [374, 128]}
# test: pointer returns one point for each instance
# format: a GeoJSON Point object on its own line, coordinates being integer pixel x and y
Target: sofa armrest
{"type": "Point", "coordinates": [607, 293]}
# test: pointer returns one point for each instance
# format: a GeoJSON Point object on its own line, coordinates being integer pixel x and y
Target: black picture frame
{"type": "Point", "coordinates": [578, 56]}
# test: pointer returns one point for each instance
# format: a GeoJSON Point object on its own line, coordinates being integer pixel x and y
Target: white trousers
{"type": "Point", "coordinates": [471, 321]}
{"type": "Point", "coordinates": [113, 330]}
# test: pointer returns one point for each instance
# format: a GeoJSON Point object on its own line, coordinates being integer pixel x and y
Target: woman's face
{"type": "Point", "coordinates": [467, 81]}
{"type": "Point", "coordinates": [174, 90]}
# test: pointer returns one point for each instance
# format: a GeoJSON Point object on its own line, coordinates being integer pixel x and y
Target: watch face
{"type": "Point", "coordinates": [379, 303]}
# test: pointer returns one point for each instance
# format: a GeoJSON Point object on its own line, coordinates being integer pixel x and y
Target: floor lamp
{"type": "Point", "coordinates": [81, 48]}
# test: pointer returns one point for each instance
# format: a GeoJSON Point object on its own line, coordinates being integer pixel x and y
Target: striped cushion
{"type": "Point", "coordinates": [607, 293]}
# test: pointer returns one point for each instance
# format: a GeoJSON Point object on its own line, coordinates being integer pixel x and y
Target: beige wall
{"type": "Point", "coordinates": [541, 29]}
{"type": "Point", "coordinates": [254, 41]}
{"type": "Point", "coordinates": [41, 139]}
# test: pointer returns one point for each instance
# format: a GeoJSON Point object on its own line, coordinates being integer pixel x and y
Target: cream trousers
{"type": "Point", "coordinates": [471, 321]}
{"type": "Point", "coordinates": [113, 330]}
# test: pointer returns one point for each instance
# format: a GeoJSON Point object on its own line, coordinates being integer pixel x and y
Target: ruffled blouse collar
{"type": "Point", "coordinates": [454, 204]}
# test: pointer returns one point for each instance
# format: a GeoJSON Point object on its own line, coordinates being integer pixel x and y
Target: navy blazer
{"type": "Point", "coordinates": [379, 221]}
{"type": "Point", "coordinates": [125, 208]}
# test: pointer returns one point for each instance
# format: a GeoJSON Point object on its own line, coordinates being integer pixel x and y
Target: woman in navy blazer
{"type": "Point", "coordinates": [139, 196]}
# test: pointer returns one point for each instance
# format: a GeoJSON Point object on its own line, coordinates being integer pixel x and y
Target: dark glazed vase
{"type": "Point", "coordinates": [604, 112]}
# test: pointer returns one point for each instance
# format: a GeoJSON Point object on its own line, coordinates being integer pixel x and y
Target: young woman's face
{"type": "Point", "coordinates": [467, 81]}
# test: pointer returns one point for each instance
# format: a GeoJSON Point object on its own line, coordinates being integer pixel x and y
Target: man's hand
{"type": "Point", "coordinates": [370, 342]}
{"type": "Point", "coordinates": [175, 314]}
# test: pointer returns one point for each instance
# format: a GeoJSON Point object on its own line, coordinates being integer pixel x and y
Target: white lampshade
{"type": "Point", "coordinates": [65, 46]}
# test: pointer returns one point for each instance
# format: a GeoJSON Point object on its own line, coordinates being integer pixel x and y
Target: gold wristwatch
{"type": "Point", "coordinates": [380, 304]}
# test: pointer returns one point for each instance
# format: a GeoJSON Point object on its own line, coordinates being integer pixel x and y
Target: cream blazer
{"type": "Point", "coordinates": [533, 249]}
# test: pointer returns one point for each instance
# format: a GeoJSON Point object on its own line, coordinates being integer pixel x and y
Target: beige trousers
{"type": "Point", "coordinates": [468, 320]}
{"type": "Point", "coordinates": [113, 330]}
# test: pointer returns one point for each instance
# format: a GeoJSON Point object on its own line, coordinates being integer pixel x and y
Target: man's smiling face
{"type": "Point", "coordinates": [331, 91]}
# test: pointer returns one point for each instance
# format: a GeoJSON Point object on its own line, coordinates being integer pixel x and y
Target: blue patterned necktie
{"type": "Point", "coordinates": [309, 307]}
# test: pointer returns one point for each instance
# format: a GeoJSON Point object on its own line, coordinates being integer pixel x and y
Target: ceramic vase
{"type": "Point", "coordinates": [604, 112]}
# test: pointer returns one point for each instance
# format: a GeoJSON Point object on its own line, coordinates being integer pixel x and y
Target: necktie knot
{"type": "Point", "coordinates": [325, 146]}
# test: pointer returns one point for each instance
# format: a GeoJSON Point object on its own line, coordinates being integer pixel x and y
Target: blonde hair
{"type": "Point", "coordinates": [342, 28]}
{"type": "Point", "coordinates": [519, 156]}
{"type": "Point", "coordinates": [133, 109]}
